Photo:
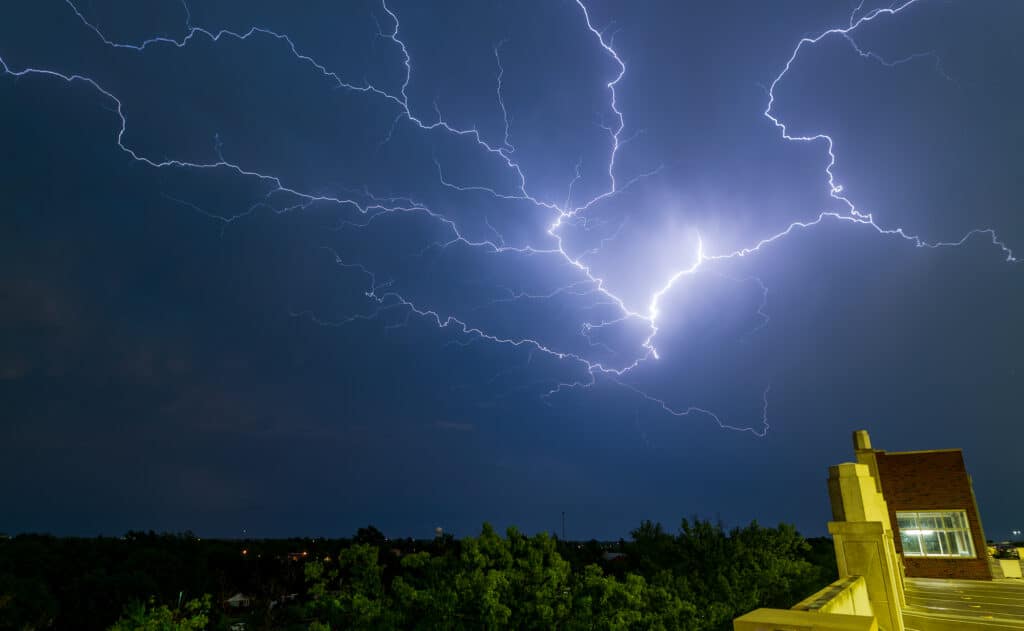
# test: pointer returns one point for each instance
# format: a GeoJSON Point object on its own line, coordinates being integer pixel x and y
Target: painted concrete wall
{"type": "Point", "coordinates": [789, 620]}
{"type": "Point", "coordinates": [863, 538]}
{"type": "Point", "coordinates": [869, 595]}
{"type": "Point", "coordinates": [847, 596]}
{"type": "Point", "coordinates": [1011, 568]}
{"type": "Point", "coordinates": [842, 606]}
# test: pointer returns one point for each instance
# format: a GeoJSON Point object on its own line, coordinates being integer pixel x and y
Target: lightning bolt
{"type": "Point", "coordinates": [835, 190]}
{"type": "Point", "coordinates": [382, 296]}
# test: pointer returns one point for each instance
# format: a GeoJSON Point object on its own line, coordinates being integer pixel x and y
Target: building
{"type": "Point", "coordinates": [909, 549]}
{"type": "Point", "coordinates": [932, 509]}
{"type": "Point", "coordinates": [238, 601]}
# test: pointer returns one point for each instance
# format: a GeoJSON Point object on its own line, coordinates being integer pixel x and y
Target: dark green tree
{"type": "Point", "coordinates": [360, 601]}
{"type": "Point", "coordinates": [151, 617]}
{"type": "Point", "coordinates": [25, 603]}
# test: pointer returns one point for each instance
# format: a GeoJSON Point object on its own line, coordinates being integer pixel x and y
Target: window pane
{"type": "Point", "coordinates": [906, 520]}
{"type": "Point", "coordinates": [930, 541]}
{"type": "Point", "coordinates": [944, 538]}
{"type": "Point", "coordinates": [957, 546]}
{"type": "Point", "coordinates": [911, 545]}
{"type": "Point", "coordinates": [927, 520]}
{"type": "Point", "coordinates": [964, 540]}
{"type": "Point", "coordinates": [950, 520]}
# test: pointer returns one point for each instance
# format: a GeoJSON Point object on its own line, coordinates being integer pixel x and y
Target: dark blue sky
{"type": "Point", "coordinates": [269, 280]}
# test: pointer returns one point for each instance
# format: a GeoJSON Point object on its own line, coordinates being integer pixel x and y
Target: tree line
{"type": "Point", "coordinates": [699, 577]}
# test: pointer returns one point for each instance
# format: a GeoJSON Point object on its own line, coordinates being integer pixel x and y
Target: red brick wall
{"type": "Point", "coordinates": [933, 480]}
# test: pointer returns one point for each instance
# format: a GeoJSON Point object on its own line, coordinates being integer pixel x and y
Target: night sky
{"type": "Point", "coordinates": [290, 271]}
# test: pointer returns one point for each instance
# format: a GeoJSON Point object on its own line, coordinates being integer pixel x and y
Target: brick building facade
{"type": "Point", "coordinates": [933, 512]}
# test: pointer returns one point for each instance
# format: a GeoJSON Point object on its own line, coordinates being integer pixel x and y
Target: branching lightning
{"type": "Point", "coordinates": [381, 295]}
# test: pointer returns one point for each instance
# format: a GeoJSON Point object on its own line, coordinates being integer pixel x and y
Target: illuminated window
{"type": "Point", "coordinates": [935, 534]}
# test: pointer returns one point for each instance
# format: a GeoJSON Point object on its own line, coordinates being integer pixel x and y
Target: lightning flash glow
{"type": "Point", "coordinates": [381, 295]}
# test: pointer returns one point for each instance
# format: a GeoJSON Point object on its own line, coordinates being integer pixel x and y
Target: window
{"type": "Point", "coordinates": [935, 534]}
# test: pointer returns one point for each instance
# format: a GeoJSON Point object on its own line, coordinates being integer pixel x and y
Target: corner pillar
{"type": "Point", "coordinates": [863, 538]}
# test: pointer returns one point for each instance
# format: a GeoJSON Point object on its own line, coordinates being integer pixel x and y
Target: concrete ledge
{"type": "Point", "coordinates": [792, 620]}
{"type": "Point", "coordinates": [846, 596]}
{"type": "Point", "coordinates": [1011, 568]}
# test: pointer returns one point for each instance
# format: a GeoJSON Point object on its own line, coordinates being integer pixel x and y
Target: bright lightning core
{"type": "Point", "coordinates": [604, 337]}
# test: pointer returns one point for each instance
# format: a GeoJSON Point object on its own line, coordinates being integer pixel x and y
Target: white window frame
{"type": "Point", "coordinates": [960, 534]}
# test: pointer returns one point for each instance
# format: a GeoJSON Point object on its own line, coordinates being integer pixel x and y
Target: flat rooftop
{"type": "Point", "coordinates": [937, 604]}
